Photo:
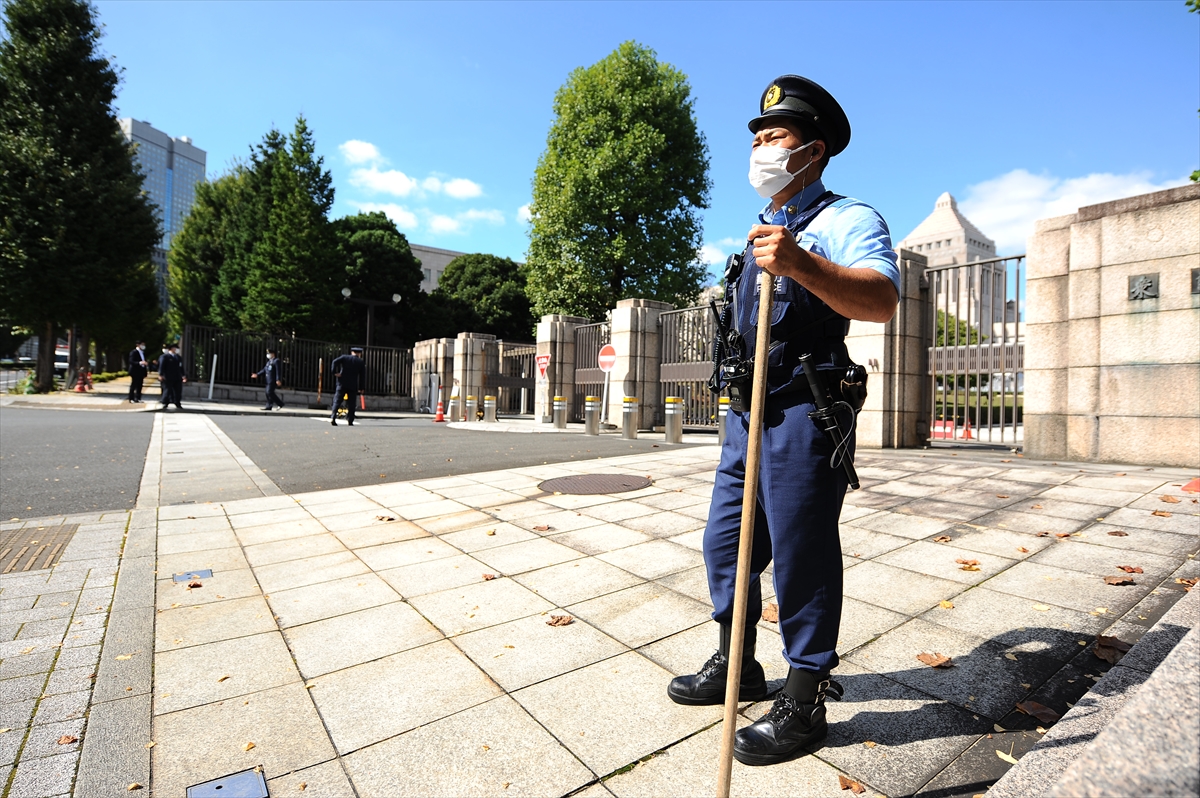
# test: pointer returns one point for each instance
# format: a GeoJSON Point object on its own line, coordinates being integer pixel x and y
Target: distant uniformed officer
{"type": "Point", "coordinates": [170, 374]}
{"type": "Point", "coordinates": [833, 261]}
{"type": "Point", "coordinates": [137, 371]}
{"type": "Point", "coordinates": [272, 376]}
{"type": "Point", "coordinates": [351, 373]}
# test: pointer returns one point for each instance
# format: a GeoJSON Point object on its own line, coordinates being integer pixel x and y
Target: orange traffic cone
{"type": "Point", "coordinates": [967, 431]}
{"type": "Point", "coordinates": [441, 416]}
{"type": "Point", "coordinates": [362, 401]}
{"type": "Point", "coordinates": [83, 383]}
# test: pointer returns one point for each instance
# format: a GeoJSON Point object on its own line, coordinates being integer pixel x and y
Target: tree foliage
{"type": "Point", "coordinates": [75, 228]}
{"type": "Point", "coordinates": [493, 289]}
{"type": "Point", "coordinates": [378, 263]}
{"type": "Point", "coordinates": [617, 191]}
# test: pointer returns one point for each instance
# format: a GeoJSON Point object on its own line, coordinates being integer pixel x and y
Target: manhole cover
{"type": "Point", "coordinates": [32, 549]}
{"type": "Point", "coordinates": [589, 484]}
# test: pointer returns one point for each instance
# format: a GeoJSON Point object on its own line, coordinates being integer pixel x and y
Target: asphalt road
{"type": "Point", "coordinates": [70, 461]}
{"type": "Point", "coordinates": [301, 454]}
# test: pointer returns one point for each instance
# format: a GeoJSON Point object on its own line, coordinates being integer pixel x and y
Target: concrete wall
{"type": "Point", "coordinates": [1109, 378]}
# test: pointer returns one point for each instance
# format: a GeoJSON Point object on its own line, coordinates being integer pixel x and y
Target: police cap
{"type": "Point", "coordinates": [356, 349]}
{"type": "Point", "coordinates": [794, 97]}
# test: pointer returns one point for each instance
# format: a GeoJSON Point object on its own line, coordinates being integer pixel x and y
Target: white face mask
{"type": "Point", "coordinates": [768, 168]}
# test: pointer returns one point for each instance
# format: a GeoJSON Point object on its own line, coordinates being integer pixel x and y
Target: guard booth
{"type": "Point", "coordinates": [686, 364]}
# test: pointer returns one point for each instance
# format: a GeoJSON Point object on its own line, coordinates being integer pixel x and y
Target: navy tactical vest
{"type": "Point", "coordinates": [801, 323]}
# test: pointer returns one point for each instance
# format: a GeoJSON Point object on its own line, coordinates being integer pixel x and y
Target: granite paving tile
{"type": "Point", "coordinates": [429, 509]}
{"type": "Point", "coordinates": [567, 501]}
{"type": "Point", "coordinates": [442, 524]}
{"type": "Point", "coordinates": [326, 497]}
{"type": "Point", "coordinates": [179, 512]}
{"type": "Point", "coordinates": [16, 715]}
{"type": "Point", "coordinates": [908, 526]}
{"type": "Point", "coordinates": [1002, 485]}
{"type": "Point", "coordinates": [986, 676]}
{"type": "Point", "coordinates": [1029, 522]}
{"type": "Point", "coordinates": [525, 509]}
{"type": "Point", "coordinates": [942, 560]}
{"type": "Point", "coordinates": [208, 623]}
{"type": "Point", "coordinates": [1061, 508]}
{"type": "Point", "coordinates": [1102, 496]}
{"type": "Point", "coordinates": [594, 725]}
{"type": "Point", "coordinates": [672, 500]}
{"type": "Point", "coordinates": [518, 558]}
{"type": "Point", "coordinates": [257, 505]}
{"type": "Point", "coordinates": [199, 542]}
{"type": "Point", "coordinates": [281, 515]}
{"type": "Point", "coordinates": [310, 571]}
{"type": "Point", "coordinates": [434, 576]}
{"type": "Point", "coordinates": [616, 511]}
{"type": "Point", "coordinates": [47, 776]}
{"type": "Point", "coordinates": [874, 583]}
{"type": "Point", "coordinates": [663, 523]}
{"type": "Point", "coordinates": [639, 615]}
{"type": "Point", "coordinates": [219, 560]}
{"type": "Point", "coordinates": [62, 707]}
{"type": "Point", "coordinates": [693, 540]}
{"type": "Point", "coordinates": [43, 740]}
{"type": "Point", "coordinates": [284, 530]}
{"type": "Point", "coordinates": [490, 749]}
{"type": "Point", "coordinates": [906, 488]}
{"type": "Point", "coordinates": [315, 602]}
{"type": "Point", "coordinates": [654, 559]}
{"type": "Point", "coordinates": [557, 520]}
{"type": "Point", "coordinates": [408, 552]}
{"type": "Point", "coordinates": [224, 585]}
{"type": "Point", "coordinates": [357, 637]}
{"type": "Point", "coordinates": [850, 512]}
{"type": "Point", "coordinates": [296, 549]}
{"type": "Point", "coordinates": [1132, 483]}
{"type": "Point", "coordinates": [863, 622]}
{"type": "Point", "coordinates": [1177, 523]}
{"type": "Point", "coordinates": [78, 657]}
{"type": "Point", "coordinates": [1066, 588]}
{"type": "Point", "coordinates": [1187, 503]}
{"type": "Point", "coordinates": [1000, 542]}
{"type": "Point", "coordinates": [944, 510]}
{"type": "Point", "coordinates": [1041, 476]}
{"type": "Point", "coordinates": [576, 581]}
{"type": "Point", "coordinates": [69, 680]}
{"type": "Point", "coordinates": [191, 526]}
{"type": "Point", "coordinates": [418, 687]}
{"type": "Point", "coordinates": [327, 780]}
{"type": "Point", "coordinates": [25, 665]}
{"type": "Point", "coordinates": [206, 742]}
{"type": "Point", "coordinates": [1077, 555]}
{"type": "Point", "coordinates": [479, 605]}
{"type": "Point", "coordinates": [22, 688]}
{"type": "Point", "coordinates": [600, 539]}
{"type": "Point", "coordinates": [379, 534]}
{"type": "Point", "coordinates": [351, 503]}
{"type": "Point", "coordinates": [189, 677]}
{"type": "Point", "coordinates": [29, 646]}
{"type": "Point", "coordinates": [978, 768]}
{"type": "Point", "coordinates": [693, 583]}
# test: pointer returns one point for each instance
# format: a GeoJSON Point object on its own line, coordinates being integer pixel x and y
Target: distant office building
{"type": "Point", "coordinates": [433, 263]}
{"type": "Point", "coordinates": [173, 167]}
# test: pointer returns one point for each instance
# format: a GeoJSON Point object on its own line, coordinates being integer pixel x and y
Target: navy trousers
{"type": "Point", "coordinates": [351, 397]}
{"type": "Point", "coordinates": [796, 526]}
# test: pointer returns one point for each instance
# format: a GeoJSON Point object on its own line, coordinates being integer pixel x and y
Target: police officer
{"type": "Point", "coordinates": [170, 374]}
{"type": "Point", "coordinates": [273, 378]}
{"type": "Point", "coordinates": [351, 373]}
{"type": "Point", "coordinates": [137, 371]}
{"type": "Point", "coordinates": [832, 261]}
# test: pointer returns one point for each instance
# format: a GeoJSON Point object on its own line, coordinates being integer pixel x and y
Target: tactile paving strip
{"type": "Point", "coordinates": [34, 548]}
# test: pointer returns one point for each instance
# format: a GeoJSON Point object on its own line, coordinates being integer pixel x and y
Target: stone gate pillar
{"type": "Point", "coordinates": [432, 359]}
{"type": "Point", "coordinates": [555, 339]}
{"type": "Point", "coordinates": [635, 336]}
{"type": "Point", "coordinates": [470, 363]}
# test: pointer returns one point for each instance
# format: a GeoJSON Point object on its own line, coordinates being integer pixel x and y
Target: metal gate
{"type": "Point", "coordinates": [976, 361]}
{"type": "Point", "coordinates": [589, 379]}
{"type": "Point", "coordinates": [687, 338]}
{"type": "Point", "coordinates": [510, 377]}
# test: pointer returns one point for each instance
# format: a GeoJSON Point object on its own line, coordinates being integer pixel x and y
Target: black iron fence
{"type": "Point", "coordinates": [306, 363]}
{"type": "Point", "coordinates": [510, 377]}
{"type": "Point", "coordinates": [589, 379]}
{"type": "Point", "coordinates": [687, 338]}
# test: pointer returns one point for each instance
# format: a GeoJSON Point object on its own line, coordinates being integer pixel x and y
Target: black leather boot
{"type": "Point", "coordinates": [708, 686]}
{"type": "Point", "coordinates": [797, 720]}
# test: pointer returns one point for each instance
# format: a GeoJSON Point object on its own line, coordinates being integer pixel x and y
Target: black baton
{"type": "Point", "coordinates": [826, 416]}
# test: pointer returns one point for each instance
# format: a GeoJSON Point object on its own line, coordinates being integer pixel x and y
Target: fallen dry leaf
{"type": "Point", "coordinates": [67, 739]}
{"type": "Point", "coordinates": [123, 657]}
{"type": "Point", "coordinates": [488, 577]}
{"type": "Point", "coordinates": [942, 539]}
{"type": "Point", "coordinates": [1006, 757]}
{"type": "Point", "coordinates": [248, 746]}
{"type": "Point", "coordinates": [935, 660]}
{"type": "Point", "coordinates": [967, 562]}
{"type": "Point", "coordinates": [1129, 569]}
{"type": "Point", "coordinates": [1116, 533]}
{"type": "Point", "coordinates": [1168, 499]}
{"type": "Point", "coordinates": [194, 584]}
{"type": "Point", "coordinates": [560, 620]}
{"type": "Point", "coordinates": [302, 786]}
{"type": "Point", "coordinates": [1119, 580]}
{"type": "Point", "coordinates": [1188, 584]}
{"type": "Point", "coordinates": [150, 745]}
{"type": "Point", "coordinates": [1061, 535]}
{"type": "Point", "coordinates": [384, 517]}
{"type": "Point", "coordinates": [1041, 607]}
{"type": "Point", "coordinates": [223, 678]}
{"type": "Point", "coordinates": [1036, 507]}
{"type": "Point", "coordinates": [134, 786]}
{"type": "Point", "coordinates": [850, 784]}
{"type": "Point", "coordinates": [770, 613]}
{"type": "Point", "coordinates": [542, 528]}
{"type": "Point", "coordinates": [1042, 535]}
{"type": "Point", "coordinates": [1161, 513]}
{"type": "Point", "coordinates": [869, 744]}
{"type": "Point", "coordinates": [1039, 711]}
{"type": "Point", "coordinates": [969, 568]}
{"type": "Point", "coordinates": [1010, 655]}
{"type": "Point", "coordinates": [1022, 549]}
{"type": "Point", "coordinates": [1110, 649]}
{"type": "Point", "coordinates": [946, 605]}
{"type": "Point", "coordinates": [1001, 495]}
{"type": "Point", "coordinates": [490, 533]}
{"type": "Point", "coordinates": [999, 728]}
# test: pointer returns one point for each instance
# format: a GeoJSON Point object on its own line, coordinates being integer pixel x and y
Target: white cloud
{"type": "Point", "coordinates": [355, 151]}
{"type": "Point", "coordinates": [489, 215]}
{"type": "Point", "coordinates": [461, 188]}
{"type": "Point", "coordinates": [391, 181]}
{"type": "Point", "coordinates": [431, 184]}
{"type": "Point", "coordinates": [712, 255]}
{"type": "Point", "coordinates": [444, 224]}
{"type": "Point", "coordinates": [524, 214]}
{"type": "Point", "coordinates": [403, 217]}
{"type": "Point", "coordinates": [1006, 207]}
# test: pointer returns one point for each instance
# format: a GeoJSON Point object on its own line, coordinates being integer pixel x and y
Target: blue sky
{"type": "Point", "coordinates": [437, 112]}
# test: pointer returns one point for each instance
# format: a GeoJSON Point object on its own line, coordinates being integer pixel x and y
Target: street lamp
{"type": "Point", "coordinates": [371, 304]}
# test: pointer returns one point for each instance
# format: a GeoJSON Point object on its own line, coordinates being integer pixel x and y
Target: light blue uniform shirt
{"type": "Point", "coordinates": [848, 232]}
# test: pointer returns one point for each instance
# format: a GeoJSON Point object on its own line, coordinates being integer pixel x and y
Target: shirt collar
{"type": "Point", "coordinates": [799, 202]}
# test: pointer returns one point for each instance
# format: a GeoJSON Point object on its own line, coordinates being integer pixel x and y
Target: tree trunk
{"type": "Point", "coordinates": [83, 354]}
{"type": "Point", "coordinates": [44, 376]}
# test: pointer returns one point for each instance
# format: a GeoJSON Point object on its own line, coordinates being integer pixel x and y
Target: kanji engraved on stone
{"type": "Point", "coordinates": [1143, 286]}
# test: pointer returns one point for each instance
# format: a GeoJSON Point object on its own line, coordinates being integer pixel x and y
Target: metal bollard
{"type": "Point", "coordinates": [591, 415]}
{"type": "Point", "coordinates": [454, 407]}
{"type": "Point", "coordinates": [674, 419]}
{"type": "Point", "coordinates": [560, 412]}
{"type": "Point", "coordinates": [629, 418]}
{"type": "Point", "coordinates": [722, 416]}
{"type": "Point", "coordinates": [489, 409]}
{"type": "Point", "coordinates": [470, 408]}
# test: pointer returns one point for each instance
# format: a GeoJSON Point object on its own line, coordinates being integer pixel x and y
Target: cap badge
{"type": "Point", "coordinates": [774, 95]}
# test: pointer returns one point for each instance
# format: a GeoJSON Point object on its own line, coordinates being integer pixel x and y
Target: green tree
{"type": "Point", "coordinates": [494, 288]}
{"type": "Point", "coordinates": [379, 263]}
{"type": "Point", "coordinates": [617, 191]}
{"type": "Point", "coordinates": [953, 331]}
{"type": "Point", "coordinates": [75, 226]}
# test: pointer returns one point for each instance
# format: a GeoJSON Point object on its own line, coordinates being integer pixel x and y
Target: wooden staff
{"type": "Point", "coordinates": [741, 589]}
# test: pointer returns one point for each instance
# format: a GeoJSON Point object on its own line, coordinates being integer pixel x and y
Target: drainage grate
{"type": "Point", "coordinates": [34, 548]}
{"type": "Point", "coordinates": [188, 576]}
{"type": "Point", "coordinates": [246, 784]}
{"type": "Point", "coordinates": [591, 484]}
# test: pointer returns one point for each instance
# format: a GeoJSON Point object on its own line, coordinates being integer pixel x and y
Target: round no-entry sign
{"type": "Point", "coordinates": [608, 358]}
